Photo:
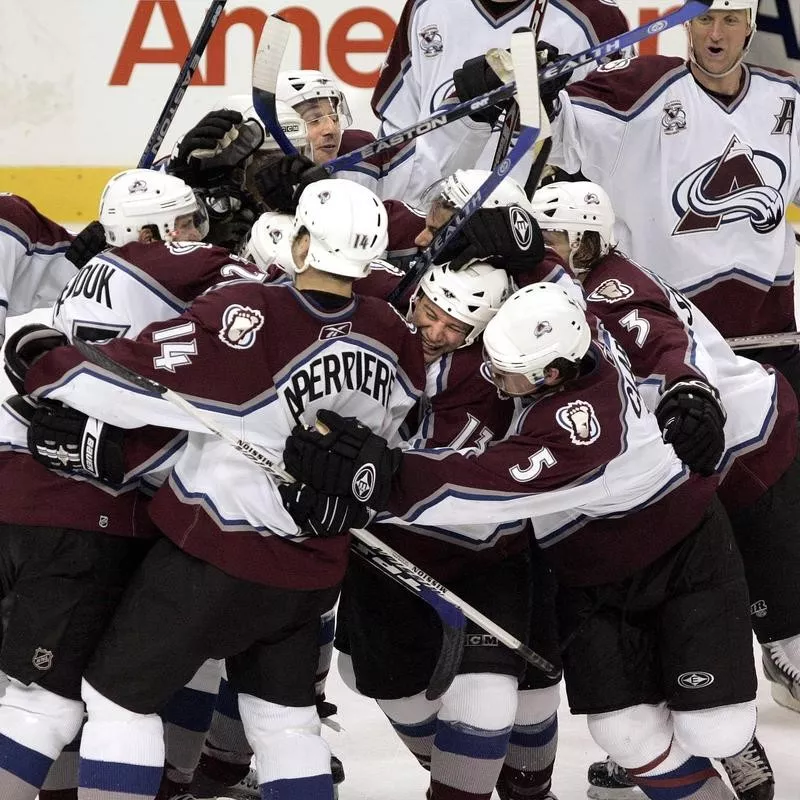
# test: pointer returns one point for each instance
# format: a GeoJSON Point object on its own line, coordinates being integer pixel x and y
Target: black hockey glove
{"type": "Point", "coordinates": [507, 237]}
{"type": "Point", "coordinates": [546, 54]}
{"type": "Point", "coordinates": [348, 460]}
{"type": "Point", "coordinates": [62, 438]}
{"type": "Point", "coordinates": [320, 514]}
{"type": "Point", "coordinates": [87, 244]}
{"type": "Point", "coordinates": [474, 78]}
{"type": "Point", "coordinates": [692, 420]}
{"type": "Point", "coordinates": [280, 183]}
{"type": "Point", "coordinates": [24, 347]}
{"type": "Point", "coordinates": [212, 154]}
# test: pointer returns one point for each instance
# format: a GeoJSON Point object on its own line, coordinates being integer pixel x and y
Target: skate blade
{"type": "Point", "coordinates": [605, 793]}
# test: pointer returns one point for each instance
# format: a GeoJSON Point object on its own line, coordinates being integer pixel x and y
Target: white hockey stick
{"type": "Point", "coordinates": [267, 65]}
{"type": "Point", "coordinates": [451, 609]}
{"type": "Point", "coordinates": [786, 339]}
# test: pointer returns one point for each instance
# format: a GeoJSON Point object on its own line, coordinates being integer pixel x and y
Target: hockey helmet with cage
{"type": "Point", "coordinates": [299, 86]}
{"type": "Point", "coordinates": [270, 242]}
{"type": "Point", "coordinates": [457, 188]}
{"type": "Point", "coordinates": [536, 325]}
{"type": "Point", "coordinates": [347, 225]}
{"type": "Point", "coordinates": [472, 295]}
{"type": "Point", "coordinates": [575, 207]}
{"type": "Point", "coordinates": [139, 198]}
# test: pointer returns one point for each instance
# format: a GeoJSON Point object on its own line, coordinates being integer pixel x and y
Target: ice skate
{"type": "Point", "coordinates": [609, 781]}
{"type": "Point", "coordinates": [750, 773]}
{"type": "Point", "coordinates": [783, 677]}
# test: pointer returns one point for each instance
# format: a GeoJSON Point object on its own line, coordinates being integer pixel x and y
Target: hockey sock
{"type": "Point", "coordinates": [675, 775]}
{"type": "Point", "coordinates": [187, 719]}
{"type": "Point", "coordinates": [35, 725]}
{"type": "Point", "coordinates": [61, 782]}
{"type": "Point", "coordinates": [528, 768]}
{"type": "Point", "coordinates": [327, 625]}
{"type": "Point", "coordinates": [122, 752]}
{"type": "Point", "coordinates": [472, 735]}
{"type": "Point", "coordinates": [226, 753]}
{"type": "Point", "coordinates": [414, 721]}
{"type": "Point", "coordinates": [293, 761]}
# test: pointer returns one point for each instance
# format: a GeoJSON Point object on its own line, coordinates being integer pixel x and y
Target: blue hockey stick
{"type": "Point", "coordinates": [599, 51]}
{"type": "Point", "coordinates": [523, 55]}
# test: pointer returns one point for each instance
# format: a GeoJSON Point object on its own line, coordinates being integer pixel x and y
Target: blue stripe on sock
{"type": "Point", "coordinates": [190, 709]}
{"type": "Point", "coordinates": [533, 735]}
{"type": "Point", "coordinates": [679, 782]}
{"type": "Point", "coordinates": [111, 776]}
{"type": "Point", "coordinates": [417, 730]}
{"type": "Point", "coordinates": [326, 631]}
{"type": "Point", "coordinates": [28, 765]}
{"type": "Point", "coordinates": [228, 701]}
{"type": "Point", "coordinates": [472, 742]}
{"type": "Point", "coordinates": [318, 787]}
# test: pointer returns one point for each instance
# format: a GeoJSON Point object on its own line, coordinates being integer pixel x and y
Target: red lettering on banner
{"type": "Point", "coordinates": [649, 47]}
{"type": "Point", "coordinates": [338, 46]}
{"type": "Point", "coordinates": [134, 52]}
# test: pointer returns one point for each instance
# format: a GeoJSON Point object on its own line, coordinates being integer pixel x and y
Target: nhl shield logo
{"type": "Point", "coordinates": [42, 659]}
{"type": "Point", "coordinates": [364, 483]}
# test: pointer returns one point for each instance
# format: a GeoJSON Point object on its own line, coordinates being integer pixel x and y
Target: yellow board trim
{"type": "Point", "coordinates": [72, 194]}
{"type": "Point", "coordinates": [65, 194]}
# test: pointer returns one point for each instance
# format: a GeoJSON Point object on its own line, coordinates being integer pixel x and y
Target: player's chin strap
{"type": "Point", "coordinates": [451, 609]}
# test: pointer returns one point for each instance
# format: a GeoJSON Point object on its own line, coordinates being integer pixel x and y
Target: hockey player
{"type": "Point", "coordinates": [585, 459]}
{"type": "Point", "coordinates": [675, 352]}
{"type": "Point", "coordinates": [237, 542]}
{"type": "Point", "coordinates": [431, 40]}
{"type": "Point", "coordinates": [66, 561]}
{"type": "Point", "coordinates": [710, 215]}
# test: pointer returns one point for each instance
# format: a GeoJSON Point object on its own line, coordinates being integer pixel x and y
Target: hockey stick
{"type": "Point", "coordinates": [181, 83]}
{"type": "Point", "coordinates": [511, 119]}
{"type": "Point", "coordinates": [502, 93]}
{"type": "Point", "coordinates": [267, 65]}
{"type": "Point", "coordinates": [451, 609]}
{"type": "Point", "coordinates": [785, 339]}
{"type": "Point", "coordinates": [523, 55]}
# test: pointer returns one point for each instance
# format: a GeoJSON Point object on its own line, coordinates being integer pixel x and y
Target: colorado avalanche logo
{"type": "Point", "coordinates": [610, 291]}
{"type": "Point", "coordinates": [239, 326]}
{"type": "Point", "coordinates": [441, 94]}
{"type": "Point", "coordinates": [137, 186]}
{"type": "Point", "coordinates": [430, 41]}
{"type": "Point", "coordinates": [739, 185]}
{"type": "Point", "coordinates": [580, 421]}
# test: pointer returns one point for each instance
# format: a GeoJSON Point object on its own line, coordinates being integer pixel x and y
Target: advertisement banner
{"type": "Point", "coordinates": [83, 82]}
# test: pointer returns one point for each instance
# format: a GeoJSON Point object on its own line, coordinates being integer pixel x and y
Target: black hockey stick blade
{"type": "Point", "coordinates": [449, 661]}
{"type": "Point", "coordinates": [95, 355]}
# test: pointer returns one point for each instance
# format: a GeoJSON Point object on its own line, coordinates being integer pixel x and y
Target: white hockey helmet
{"type": "Point", "coordinates": [298, 86]}
{"type": "Point", "coordinates": [575, 207]}
{"type": "Point", "coordinates": [536, 325]}
{"type": "Point", "coordinates": [737, 5]}
{"type": "Point", "coordinates": [457, 188]}
{"type": "Point", "coordinates": [348, 227]}
{"type": "Point", "coordinates": [270, 242]}
{"type": "Point", "coordinates": [290, 121]}
{"type": "Point", "coordinates": [137, 198]}
{"type": "Point", "coordinates": [472, 295]}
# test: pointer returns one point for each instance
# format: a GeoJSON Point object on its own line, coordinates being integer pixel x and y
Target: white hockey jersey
{"type": "Point", "coordinates": [433, 39]}
{"type": "Point", "coordinates": [33, 268]}
{"type": "Point", "coordinates": [700, 188]}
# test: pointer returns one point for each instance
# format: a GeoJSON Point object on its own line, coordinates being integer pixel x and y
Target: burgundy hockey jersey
{"type": "Point", "coordinates": [668, 338]}
{"type": "Point", "coordinates": [258, 360]}
{"type": "Point", "coordinates": [117, 294]}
